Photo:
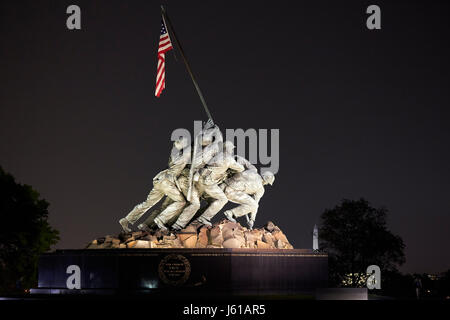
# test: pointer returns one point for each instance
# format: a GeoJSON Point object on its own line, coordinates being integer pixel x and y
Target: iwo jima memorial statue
{"type": "Point", "coordinates": [177, 245]}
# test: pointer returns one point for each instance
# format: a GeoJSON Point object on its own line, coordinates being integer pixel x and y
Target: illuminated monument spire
{"type": "Point", "coordinates": [315, 238]}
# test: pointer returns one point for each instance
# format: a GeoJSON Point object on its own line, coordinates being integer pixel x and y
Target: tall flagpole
{"type": "Point", "coordinates": [188, 67]}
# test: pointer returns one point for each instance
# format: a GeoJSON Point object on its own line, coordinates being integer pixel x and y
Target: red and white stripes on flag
{"type": "Point", "coordinates": [164, 45]}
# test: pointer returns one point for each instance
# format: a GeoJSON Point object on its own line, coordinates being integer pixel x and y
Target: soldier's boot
{"type": "Point", "coordinates": [143, 227]}
{"type": "Point", "coordinates": [229, 215]}
{"type": "Point", "coordinates": [204, 221]}
{"type": "Point", "coordinates": [160, 224]}
{"type": "Point", "coordinates": [124, 223]}
{"type": "Point", "coordinates": [176, 226]}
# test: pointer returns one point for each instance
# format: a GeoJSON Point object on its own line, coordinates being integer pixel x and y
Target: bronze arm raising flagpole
{"type": "Point", "coordinates": [183, 56]}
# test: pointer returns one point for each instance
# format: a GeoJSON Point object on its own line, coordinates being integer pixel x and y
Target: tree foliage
{"type": "Point", "coordinates": [25, 234]}
{"type": "Point", "coordinates": [355, 236]}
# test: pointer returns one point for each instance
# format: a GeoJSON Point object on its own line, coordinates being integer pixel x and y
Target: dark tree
{"type": "Point", "coordinates": [444, 285]}
{"type": "Point", "coordinates": [355, 236]}
{"type": "Point", "coordinates": [25, 233]}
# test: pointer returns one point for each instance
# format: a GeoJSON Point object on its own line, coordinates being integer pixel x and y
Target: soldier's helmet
{"type": "Point", "coordinates": [268, 177]}
{"type": "Point", "coordinates": [181, 143]}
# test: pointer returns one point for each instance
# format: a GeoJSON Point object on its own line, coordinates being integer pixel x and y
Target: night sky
{"type": "Point", "coordinates": [361, 113]}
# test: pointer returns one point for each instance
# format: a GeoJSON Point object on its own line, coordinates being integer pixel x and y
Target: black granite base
{"type": "Point", "coordinates": [152, 270]}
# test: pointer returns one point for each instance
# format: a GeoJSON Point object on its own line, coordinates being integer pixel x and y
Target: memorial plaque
{"type": "Point", "coordinates": [174, 269]}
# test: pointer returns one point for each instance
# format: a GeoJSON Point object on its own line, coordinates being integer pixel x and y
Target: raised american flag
{"type": "Point", "coordinates": [164, 45]}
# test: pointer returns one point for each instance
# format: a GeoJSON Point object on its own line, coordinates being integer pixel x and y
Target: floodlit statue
{"type": "Point", "coordinates": [246, 189]}
{"type": "Point", "coordinates": [164, 184]}
{"type": "Point", "coordinates": [211, 140]}
{"type": "Point", "coordinates": [161, 219]}
{"type": "Point", "coordinates": [215, 175]}
{"type": "Point", "coordinates": [206, 182]}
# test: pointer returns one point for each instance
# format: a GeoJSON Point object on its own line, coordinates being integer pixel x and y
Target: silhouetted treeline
{"type": "Point", "coordinates": [25, 234]}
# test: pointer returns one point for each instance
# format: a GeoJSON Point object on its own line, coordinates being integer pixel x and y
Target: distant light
{"type": "Point", "coordinates": [149, 284]}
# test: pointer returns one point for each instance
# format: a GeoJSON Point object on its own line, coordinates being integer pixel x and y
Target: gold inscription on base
{"type": "Point", "coordinates": [174, 269]}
